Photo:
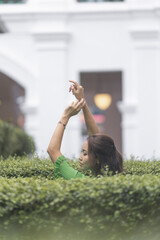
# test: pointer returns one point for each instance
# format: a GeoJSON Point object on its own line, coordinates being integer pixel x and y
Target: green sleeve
{"type": "Point", "coordinates": [63, 169]}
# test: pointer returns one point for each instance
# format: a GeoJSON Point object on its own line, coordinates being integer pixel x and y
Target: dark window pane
{"type": "Point", "coordinates": [12, 1]}
{"type": "Point", "coordinates": [100, 0]}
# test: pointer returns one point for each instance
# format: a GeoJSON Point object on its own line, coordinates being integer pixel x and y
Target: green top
{"type": "Point", "coordinates": [63, 169]}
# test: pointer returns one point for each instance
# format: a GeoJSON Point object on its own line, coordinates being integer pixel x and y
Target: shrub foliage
{"type": "Point", "coordinates": [92, 204]}
{"type": "Point", "coordinates": [13, 141]}
{"type": "Point", "coordinates": [36, 167]}
{"type": "Point", "coordinates": [117, 206]}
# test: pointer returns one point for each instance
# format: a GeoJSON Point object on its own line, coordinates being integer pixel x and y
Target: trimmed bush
{"type": "Point", "coordinates": [35, 205]}
{"type": "Point", "coordinates": [138, 166]}
{"type": "Point", "coordinates": [115, 207]}
{"type": "Point", "coordinates": [13, 141]}
{"type": "Point", "coordinates": [14, 167]}
{"type": "Point", "coordinates": [38, 168]}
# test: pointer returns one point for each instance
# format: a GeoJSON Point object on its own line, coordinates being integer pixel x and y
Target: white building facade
{"type": "Point", "coordinates": [47, 42]}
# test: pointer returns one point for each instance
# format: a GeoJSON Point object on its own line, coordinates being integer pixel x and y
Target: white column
{"type": "Point", "coordinates": [128, 110]}
{"type": "Point", "coordinates": [145, 70]}
{"type": "Point", "coordinates": [52, 82]}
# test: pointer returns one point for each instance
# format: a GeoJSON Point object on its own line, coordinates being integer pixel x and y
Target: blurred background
{"type": "Point", "coordinates": [110, 47]}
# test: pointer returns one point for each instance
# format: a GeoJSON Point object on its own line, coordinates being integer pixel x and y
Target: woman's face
{"type": "Point", "coordinates": [86, 161]}
{"type": "Point", "coordinates": [84, 158]}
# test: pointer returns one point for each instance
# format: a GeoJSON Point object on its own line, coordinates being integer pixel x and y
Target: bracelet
{"type": "Point", "coordinates": [64, 125]}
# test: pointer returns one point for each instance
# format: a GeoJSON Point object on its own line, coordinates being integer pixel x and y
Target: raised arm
{"type": "Point", "coordinates": [56, 140]}
{"type": "Point", "coordinates": [91, 125]}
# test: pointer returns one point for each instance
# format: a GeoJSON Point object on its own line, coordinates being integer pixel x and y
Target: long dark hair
{"type": "Point", "coordinates": [101, 148]}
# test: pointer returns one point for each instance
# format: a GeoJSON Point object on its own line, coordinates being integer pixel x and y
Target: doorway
{"type": "Point", "coordinates": [10, 110]}
{"type": "Point", "coordinates": [102, 92]}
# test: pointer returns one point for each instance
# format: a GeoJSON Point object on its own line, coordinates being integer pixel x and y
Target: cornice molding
{"type": "Point", "coordinates": [57, 40]}
{"type": "Point", "coordinates": [30, 12]}
{"type": "Point", "coordinates": [77, 8]}
{"type": "Point", "coordinates": [143, 33]}
{"type": "Point", "coordinates": [146, 38]}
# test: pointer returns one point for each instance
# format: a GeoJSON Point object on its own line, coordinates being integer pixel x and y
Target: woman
{"type": "Point", "coordinates": [98, 151]}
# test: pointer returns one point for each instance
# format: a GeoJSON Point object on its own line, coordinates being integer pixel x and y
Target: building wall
{"type": "Point", "coordinates": [50, 42]}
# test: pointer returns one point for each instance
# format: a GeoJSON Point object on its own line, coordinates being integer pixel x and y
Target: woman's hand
{"type": "Point", "coordinates": [74, 108]}
{"type": "Point", "coordinates": [77, 90]}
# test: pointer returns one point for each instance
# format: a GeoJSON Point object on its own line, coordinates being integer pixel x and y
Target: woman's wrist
{"type": "Point", "coordinates": [85, 105]}
{"type": "Point", "coordinates": [64, 119]}
{"type": "Point", "coordinates": [80, 97]}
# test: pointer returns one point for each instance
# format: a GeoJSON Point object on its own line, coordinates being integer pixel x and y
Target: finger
{"type": "Point", "coordinates": [79, 104]}
{"type": "Point", "coordinates": [83, 103]}
{"type": "Point", "coordinates": [76, 103]}
{"type": "Point", "coordinates": [79, 108]}
{"type": "Point", "coordinates": [74, 82]}
{"type": "Point", "coordinates": [70, 88]}
{"type": "Point", "coordinates": [73, 91]}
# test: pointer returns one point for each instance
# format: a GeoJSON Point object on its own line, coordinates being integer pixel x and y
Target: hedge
{"type": "Point", "coordinates": [14, 140]}
{"type": "Point", "coordinates": [118, 207]}
{"type": "Point", "coordinates": [26, 167]}
{"type": "Point", "coordinates": [38, 168]}
{"type": "Point", "coordinates": [124, 206]}
{"type": "Point", "coordinates": [140, 166]}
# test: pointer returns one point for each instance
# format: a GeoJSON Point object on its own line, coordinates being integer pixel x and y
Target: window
{"type": "Point", "coordinates": [100, 0]}
{"type": "Point", "coordinates": [11, 1]}
{"type": "Point", "coordinates": [2, 27]}
{"type": "Point", "coordinates": [11, 94]}
{"type": "Point", "coordinates": [103, 90]}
